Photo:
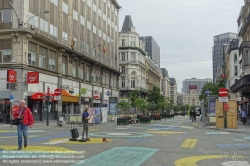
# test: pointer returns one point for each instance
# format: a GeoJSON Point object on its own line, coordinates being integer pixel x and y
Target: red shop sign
{"type": "Point", "coordinates": [33, 77]}
{"type": "Point", "coordinates": [11, 76]}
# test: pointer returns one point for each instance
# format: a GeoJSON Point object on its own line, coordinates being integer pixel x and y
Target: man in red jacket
{"type": "Point", "coordinates": [25, 115]}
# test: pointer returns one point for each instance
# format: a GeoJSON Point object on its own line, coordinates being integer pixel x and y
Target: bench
{"type": "Point", "coordinates": [133, 121]}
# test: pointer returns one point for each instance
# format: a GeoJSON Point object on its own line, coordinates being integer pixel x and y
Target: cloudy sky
{"type": "Point", "coordinates": [184, 31]}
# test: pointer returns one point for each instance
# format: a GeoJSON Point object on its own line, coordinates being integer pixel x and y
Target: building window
{"type": "Point", "coordinates": [235, 80]}
{"type": "Point", "coordinates": [132, 83]}
{"type": "Point", "coordinates": [63, 68]}
{"type": "Point", "coordinates": [81, 74]}
{"type": "Point", "coordinates": [42, 61]}
{"type": "Point", "coordinates": [123, 42]}
{"type": "Point", "coordinates": [235, 57]}
{"type": "Point", "coordinates": [109, 21]}
{"type": "Point", "coordinates": [74, 71]}
{"type": "Point", "coordinates": [75, 15]}
{"type": "Point", "coordinates": [52, 64]}
{"type": "Point", "coordinates": [32, 58]}
{"type": "Point", "coordinates": [104, 36]}
{"type": "Point", "coordinates": [103, 80]}
{"type": "Point", "coordinates": [123, 70]}
{"type": "Point", "coordinates": [87, 76]}
{"type": "Point", "coordinates": [94, 7]}
{"type": "Point", "coordinates": [99, 33]}
{"type": "Point", "coordinates": [94, 52]}
{"type": "Point", "coordinates": [82, 20]}
{"type": "Point", "coordinates": [104, 17]}
{"type": "Point", "coordinates": [55, 2]}
{"type": "Point", "coordinates": [97, 79]}
{"type": "Point", "coordinates": [33, 21]}
{"type": "Point", "coordinates": [5, 15]}
{"type": "Point", "coordinates": [123, 84]}
{"type": "Point", "coordinates": [53, 30]}
{"type": "Point", "coordinates": [99, 12]}
{"type": "Point", "coordinates": [88, 25]}
{"type": "Point", "coordinates": [235, 70]}
{"type": "Point", "coordinates": [123, 57]}
{"type": "Point", "coordinates": [87, 49]}
{"type": "Point", "coordinates": [65, 8]}
{"type": "Point", "coordinates": [5, 56]}
{"type": "Point", "coordinates": [94, 29]}
{"type": "Point", "coordinates": [44, 26]}
{"type": "Point", "coordinates": [89, 3]}
{"type": "Point", "coordinates": [65, 36]}
{"type": "Point", "coordinates": [75, 42]}
{"type": "Point", "coordinates": [81, 46]}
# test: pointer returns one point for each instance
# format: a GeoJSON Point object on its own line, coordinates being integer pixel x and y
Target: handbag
{"type": "Point", "coordinates": [18, 121]}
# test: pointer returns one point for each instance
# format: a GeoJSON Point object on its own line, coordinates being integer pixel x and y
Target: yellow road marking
{"type": "Point", "coordinates": [164, 132]}
{"type": "Point", "coordinates": [189, 143]}
{"type": "Point", "coordinates": [6, 131]}
{"type": "Point", "coordinates": [39, 148]}
{"type": "Point", "coordinates": [191, 161]}
{"type": "Point", "coordinates": [92, 141]}
{"type": "Point", "coordinates": [186, 127]}
{"type": "Point", "coordinates": [195, 124]}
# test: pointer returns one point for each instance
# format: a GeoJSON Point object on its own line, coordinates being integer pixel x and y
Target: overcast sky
{"type": "Point", "coordinates": [184, 31]}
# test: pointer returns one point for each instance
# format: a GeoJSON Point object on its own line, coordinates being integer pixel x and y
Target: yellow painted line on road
{"type": "Point", "coordinates": [195, 124]}
{"type": "Point", "coordinates": [189, 143]}
{"type": "Point", "coordinates": [191, 161]}
{"type": "Point", "coordinates": [164, 132]}
{"type": "Point", "coordinates": [186, 127]}
{"type": "Point", "coordinates": [6, 131]}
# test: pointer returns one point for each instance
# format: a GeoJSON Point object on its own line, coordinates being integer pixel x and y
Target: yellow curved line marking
{"type": "Point", "coordinates": [92, 141]}
{"type": "Point", "coordinates": [191, 161]}
{"type": "Point", "coordinates": [189, 143]}
{"type": "Point", "coordinates": [39, 148]}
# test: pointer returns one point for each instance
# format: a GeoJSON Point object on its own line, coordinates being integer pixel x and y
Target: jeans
{"type": "Point", "coordinates": [21, 129]}
{"type": "Point", "coordinates": [85, 129]}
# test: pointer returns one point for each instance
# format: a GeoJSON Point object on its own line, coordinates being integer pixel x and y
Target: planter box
{"type": "Point", "coordinates": [163, 116]}
{"type": "Point", "coordinates": [145, 120]}
{"type": "Point", "coordinates": [121, 121]}
{"type": "Point", "coordinates": [157, 118]}
{"type": "Point", "coordinates": [182, 114]}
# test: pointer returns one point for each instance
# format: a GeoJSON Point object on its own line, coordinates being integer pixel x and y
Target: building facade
{"type": "Point", "coordinates": [194, 84]}
{"type": "Point", "coordinates": [165, 83]}
{"type": "Point", "coordinates": [219, 42]}
{"type": "Point", "coordinates": [152, 48]}
{"type": "Point", "coordinates": [173, 90]}
{"type": "Point", "coordinates": [192, 98]}
{"type": "Point", "coordinates": [138, 71]}
{"type": "Point", "coordinates": [71, 46]}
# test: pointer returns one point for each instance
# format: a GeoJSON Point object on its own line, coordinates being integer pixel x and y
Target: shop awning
{"type": "Point", "coordinates": [242, 85]}
{"type": "Point", "coordinates": [246, 100]}
{"type": "Point", "coordinates": [41, 96]}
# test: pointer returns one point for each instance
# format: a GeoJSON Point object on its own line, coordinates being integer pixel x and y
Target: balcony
{"type": "Point", "coordinates": [134, 48]}
{"type": "Point", "coordinates": [133, 62]}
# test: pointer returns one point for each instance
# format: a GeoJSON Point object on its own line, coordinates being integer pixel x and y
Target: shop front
{"type": "Point", "coordinates": [70, 101]}
{"type": "Point", "coordinates": [38, 104]}
{"type": "Point", "coordinates": [97, 96]}
{"type": "Point", "coordinates": [4, 106]}
{"type": "Point", "coordinates": [106, 95]}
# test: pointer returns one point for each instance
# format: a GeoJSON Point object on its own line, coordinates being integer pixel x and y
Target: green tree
{"type": "Point", "coordinates": [123, 106]}
{"type": "Point", "coordinates": [140, 104]}
{"type": "Point", "coordinates": [162, 104]}
{"type": "Point", "coordinates": [133, 96]}
{"type": "Point", "coordinates": [154, 96]}
{"type": "Point", "coordinates": [151, 107]}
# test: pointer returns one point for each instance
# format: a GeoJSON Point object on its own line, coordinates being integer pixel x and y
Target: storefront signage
{"type": "Point", "coordinates": [192, 86]}
{"type": "Point", "coordinates": [96, 101]}
{"type": "Point", "coordinates": [33, 77]}
{"type": "Point", "coordinates": [66, 87]}
{"type": "Point", "coordinates": [96, 94]}
{"type": "Point", "coordinates": [11, 76]}
{"type": "Point", "coordinates": [112, 105]}
{"type": "Point", "coordinates": [83, 90]}
{"type": "Point", "coordinates": [85, 99]}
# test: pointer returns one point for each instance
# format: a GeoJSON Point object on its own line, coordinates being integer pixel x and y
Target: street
{"type": "Point", "coordinates": [169, 142]}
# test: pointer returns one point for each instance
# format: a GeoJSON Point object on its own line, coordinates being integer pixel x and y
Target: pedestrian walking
{"type": "Point", "coordinates": [85, 121]}
{"type": "Point", "coordinates": [244, 116]}
{"type": "Point", "coordinates": [24, 117]}
{"type": "Point", "coordinates": [194, 116]}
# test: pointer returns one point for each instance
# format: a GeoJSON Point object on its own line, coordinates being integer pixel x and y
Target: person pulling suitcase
{"type": "Point", "coordinates": [85, 121]}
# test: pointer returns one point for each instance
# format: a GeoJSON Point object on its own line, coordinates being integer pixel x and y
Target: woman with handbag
{"type": "Point", "coordinates": [23, 118]}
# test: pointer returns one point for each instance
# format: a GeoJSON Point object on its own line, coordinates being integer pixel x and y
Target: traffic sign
{"type": "Point", "coordinates": [57, 97]}
{"type": "Point", "coordinates": [225, 106]}
{"type": "Point", "coordinates": [108, 93]}
{"type": "Point", "coordinates": [223, 92]}
{"type": "Point", "coordinates": [12, 98]}
{"type": "Point", "coordinates": [207, 92]}
{"type": "Point", "coordinates": [57, 92]}
{"type": "Point", "coordinates": [223, 99]}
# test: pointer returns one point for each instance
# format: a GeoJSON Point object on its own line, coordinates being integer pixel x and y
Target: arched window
{"type": "Point", "coordinates": [133, 73]}
{"type": "Point", "coordinates": [123, 70]}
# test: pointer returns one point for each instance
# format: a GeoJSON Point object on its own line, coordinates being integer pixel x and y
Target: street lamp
{"type": "Point", "coordinates": [19, 23]}
{"type": "Point", "coordinates": [45, 12]}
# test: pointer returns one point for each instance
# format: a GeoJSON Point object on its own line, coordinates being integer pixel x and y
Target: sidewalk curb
{"type": "Point", "coordinates": [225, 130]}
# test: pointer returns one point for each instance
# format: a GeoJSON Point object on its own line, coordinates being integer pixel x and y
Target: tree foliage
{"type": "Point", "coordinates": [154, 96]}
{"type": "Point", "coordinates": [133, 96]}
{"type": "Point", "coordinates": [123, 105]}
{"type": "Point", "coordinates": [140, 104]}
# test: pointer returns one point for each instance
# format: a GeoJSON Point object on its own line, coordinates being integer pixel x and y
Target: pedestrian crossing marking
{"type": "Point", "coordinates": [189, 143]}
{"type": "Point", "coordinates": [6, 131]}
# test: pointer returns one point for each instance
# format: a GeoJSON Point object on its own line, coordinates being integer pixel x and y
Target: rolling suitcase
{"type": "Point", "coordinates": [74, 133]}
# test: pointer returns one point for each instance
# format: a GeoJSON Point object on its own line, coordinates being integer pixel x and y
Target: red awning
{"type": "Point", "coordinates": [41, 96]}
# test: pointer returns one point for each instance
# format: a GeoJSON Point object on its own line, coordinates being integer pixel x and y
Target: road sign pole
{"type": "Point", "coordinates": [48, 97]}
{"type": "Point", "coordinates": [224, 79]}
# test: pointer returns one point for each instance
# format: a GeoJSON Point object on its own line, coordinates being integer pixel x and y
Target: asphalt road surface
{"type": "Point", "coordinates": [169, 142]}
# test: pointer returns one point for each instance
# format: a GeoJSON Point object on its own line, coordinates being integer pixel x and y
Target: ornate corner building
{"type": "Point", "coordinates": [60, 44]}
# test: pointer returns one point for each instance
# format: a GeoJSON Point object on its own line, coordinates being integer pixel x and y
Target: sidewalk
{"type": "Point", "coordinates": [240, 127]}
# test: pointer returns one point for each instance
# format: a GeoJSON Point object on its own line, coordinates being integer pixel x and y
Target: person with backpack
{"type": "Point", "coordinates": [85, 121]}
{"type": "Point", "coordinates": [23, 118]}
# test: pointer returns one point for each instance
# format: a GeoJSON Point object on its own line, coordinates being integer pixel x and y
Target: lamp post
{"type": "Point", "coordinates": [19, 23]}
{"type": "Point", "coordinates": [224, 80]}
